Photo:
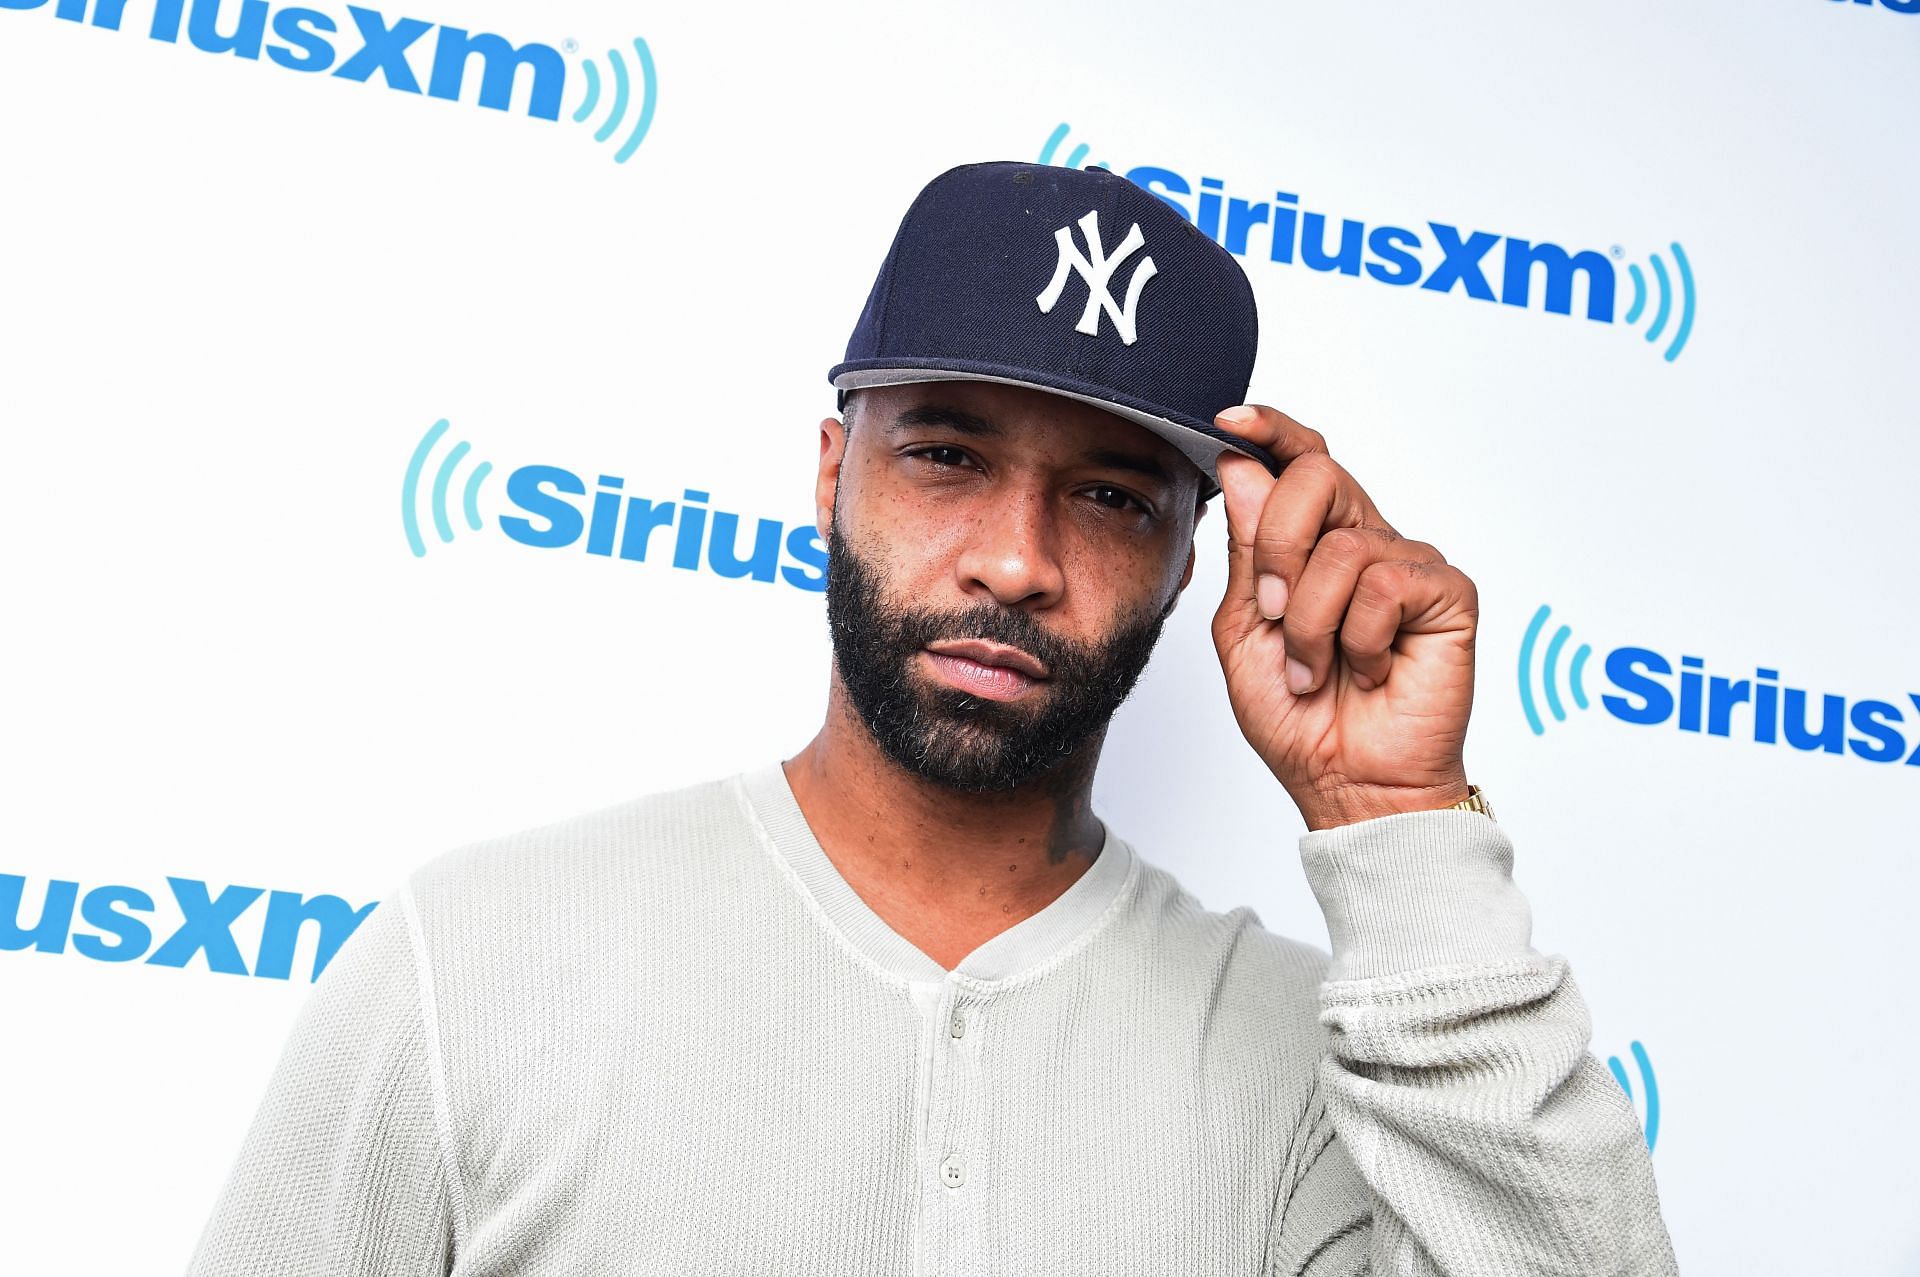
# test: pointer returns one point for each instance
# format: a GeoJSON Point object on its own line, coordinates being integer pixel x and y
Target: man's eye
{"type": "Point", "coordinates": [943, 455]}
{"type": "Point", "coordinates": [1116, 498]}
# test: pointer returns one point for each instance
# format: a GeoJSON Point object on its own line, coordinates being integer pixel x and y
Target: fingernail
{"type": "Point", "coordinates": [1240, 416]}
{"type": "Point", "coordinates": [1298, 675]}
{"type": "Point", "coordinates": [1271, 591]}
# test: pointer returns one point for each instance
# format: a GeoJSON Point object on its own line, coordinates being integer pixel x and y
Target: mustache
{"type": "Point", "coordinates": [869, 623]}
{"type": "Point", "coordinates": [951, 736]}
{"type": "Point", "coordinates": [997, 624]}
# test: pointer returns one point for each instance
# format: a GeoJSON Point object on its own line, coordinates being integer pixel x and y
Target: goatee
{"type": "Point", "coordinates": [954, 738]}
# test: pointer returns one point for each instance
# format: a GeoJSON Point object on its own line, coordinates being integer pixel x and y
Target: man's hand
{"type": "Point", "coordinates": [1357, 696]}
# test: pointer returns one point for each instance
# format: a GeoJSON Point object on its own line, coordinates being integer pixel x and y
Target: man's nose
{"type": "Point", "coordinates": [1012, 552]}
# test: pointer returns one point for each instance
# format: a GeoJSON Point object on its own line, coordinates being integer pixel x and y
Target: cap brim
{"type": "Point", "coordinates": [1200, 442]}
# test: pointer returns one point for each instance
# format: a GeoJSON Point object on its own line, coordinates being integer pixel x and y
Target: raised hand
{"type": "Point", "coordinates": [1347, 648]}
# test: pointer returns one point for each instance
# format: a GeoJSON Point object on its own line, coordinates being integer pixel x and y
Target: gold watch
{"type": "Point", "coordinates": [1474, 801]}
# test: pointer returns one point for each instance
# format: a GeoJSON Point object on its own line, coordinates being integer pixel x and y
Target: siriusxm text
{"type": "Point", "coordinates": [685, 532]}
{"type": "Point", "coordinates": [1759, 708]}
{"type": "Point", "coordinates": [1438, 257]}
{"type": "Point", "coordinates": [117, 923]}
{"type": "Point", "coordinates": [367, 45]}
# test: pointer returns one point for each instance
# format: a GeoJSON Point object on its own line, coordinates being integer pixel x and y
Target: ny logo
{"type": "Point", "coordinates": [1097, 272]}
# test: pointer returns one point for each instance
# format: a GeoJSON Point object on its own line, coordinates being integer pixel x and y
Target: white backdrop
{"type": "Point", "coordinates": [235, 296]}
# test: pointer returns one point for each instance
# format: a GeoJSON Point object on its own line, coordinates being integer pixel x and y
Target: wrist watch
{"type": "Point", "coordinates": [1474, 801]}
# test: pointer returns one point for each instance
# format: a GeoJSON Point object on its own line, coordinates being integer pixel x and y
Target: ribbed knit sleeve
{"type": "Point", "coordinates": [1459, 1125]}
{"type": "Point", "coordinates": [340, 1173]}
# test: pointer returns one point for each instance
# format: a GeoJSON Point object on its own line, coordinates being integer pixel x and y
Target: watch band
{"type": "Point", "coordinates": [1474, 801]}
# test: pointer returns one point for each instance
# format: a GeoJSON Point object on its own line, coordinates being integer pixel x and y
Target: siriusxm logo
{"type": "Point", "coordinates": [394, 49]}
{"type": "Point", "coordinates": [1440, 258]}
{"type": "Point", "coordinates": [1652, 691]}
{"type": "Point", "coordinates": [1649, 1100]}
{"type": "Point", "coordinates": [551, 514]}
{"type": "Point", "coordinates": [1898, 6]}
{"type": "Point", "coordinates": [118, 934]}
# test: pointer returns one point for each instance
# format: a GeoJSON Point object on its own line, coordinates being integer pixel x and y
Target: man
{"type": "Point", "coordinates": [903, 1004]}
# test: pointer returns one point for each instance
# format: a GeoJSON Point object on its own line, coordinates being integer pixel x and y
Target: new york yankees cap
{"type": "Point", "coordinates": [1074, 281]}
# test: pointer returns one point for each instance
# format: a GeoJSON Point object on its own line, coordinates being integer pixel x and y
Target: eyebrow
{"type": "Point", "coordinates": [954, 419]}
{"type": "Point", "coordinates": [978, 427]}
{"type": "Point", "coordinates": [1128, 461]}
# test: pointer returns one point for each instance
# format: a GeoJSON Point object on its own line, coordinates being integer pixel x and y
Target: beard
{"type": "Point", "coordinates": [954, 738]}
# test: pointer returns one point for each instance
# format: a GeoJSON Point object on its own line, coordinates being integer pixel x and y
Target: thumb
{"type": "Point", "coordinates": [1244, 485]}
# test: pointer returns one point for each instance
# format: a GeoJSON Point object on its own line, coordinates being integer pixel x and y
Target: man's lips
{"type": "Point", "coordinates": [987, 652]}
{"type": "Point", "coordinates": [991, 671]}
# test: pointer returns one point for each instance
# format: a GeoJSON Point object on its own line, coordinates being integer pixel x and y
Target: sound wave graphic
{"type": "Point", "coordinates": [1074, 157]}
{"type": "Point", "coordinates": [1550, 672]}
{"type": "Point", "coordinates": [442, 480]}
{"type": "Point", "coordinates": [622, 90]}
{"type": "Point", "coordinates": [1665, 293]}
{"type": "Point", "coordinates": [1650, 1108]}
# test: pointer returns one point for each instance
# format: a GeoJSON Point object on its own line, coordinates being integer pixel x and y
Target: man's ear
{"type": "Point", "coordinates": [1181, 588]}
{"type": "Point", "coordinates": [1187, 575]}
{"type": "Point", "coordinates": [833, 449]}
{"type": "Point", "coordinates": [1199, 513]}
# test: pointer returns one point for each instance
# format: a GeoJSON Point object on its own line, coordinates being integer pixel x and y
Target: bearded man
{"type": "Point", "coordinates": [903, 1003]}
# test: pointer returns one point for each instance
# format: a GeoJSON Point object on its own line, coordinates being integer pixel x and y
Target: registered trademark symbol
{"type": "Point", "coordinates": [570, 45]}
{"type": "Point", "coordinates": [1617, 251]}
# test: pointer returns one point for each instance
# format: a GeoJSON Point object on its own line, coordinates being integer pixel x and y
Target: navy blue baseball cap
{"type": "Point", "coordinates": [1074, 281]}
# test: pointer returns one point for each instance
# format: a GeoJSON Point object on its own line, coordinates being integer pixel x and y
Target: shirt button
{"type": "Point", "coordinates": [959, 1025]}
{"type": "Point", "coordinates": [952, 1173]}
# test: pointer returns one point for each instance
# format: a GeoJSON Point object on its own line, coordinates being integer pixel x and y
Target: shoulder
{"type": "Point", "coordinates": [589, 874]}
{"type": "Point", "coordinates": [1230, 954]}
{"type": "Point", "coordinates": [1236, 936]}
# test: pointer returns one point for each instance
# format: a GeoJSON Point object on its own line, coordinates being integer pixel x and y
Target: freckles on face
{"type": "Point", "coordinates": [1080, 553]}
{"type": "Point", "coordinates": [975, 491]}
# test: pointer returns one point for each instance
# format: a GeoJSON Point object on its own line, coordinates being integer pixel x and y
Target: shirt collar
{"type": "Point", "coordinates": [1021, 948]}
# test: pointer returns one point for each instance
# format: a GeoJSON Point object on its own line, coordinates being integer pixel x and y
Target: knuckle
{"type": "Point", "coordinates": [1381, 580]}
{"type": "Point", "coordinates": [1420, 551]}
{"type": "Point", "coordinates": [1314, 465]}
{"type": "Point", "coordinates": [1375, 600]}
{"type": "Point", "coordinates": [1348, 543]}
